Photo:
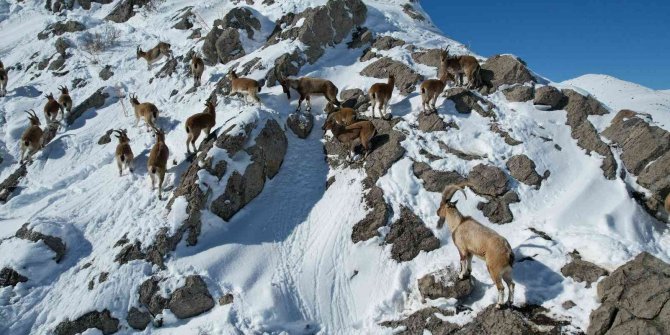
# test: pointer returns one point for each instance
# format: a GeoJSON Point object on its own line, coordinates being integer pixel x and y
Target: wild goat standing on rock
{"type": "Point", "coordinates": [197, 123]}
{"type": "Point", "coordinates": [246, 86]}
{"type": "Point", "coordinates": [306, 87]}
{"type": "Point", "coordinates": [473, 238]}
{"type": "Point", "coordinates": [146, 111]}
{"type": "Point", "coordinates": [3, 80]}
{"type": "Point", "coordinates": [157, 163]}
{"type": "Point", "coordinates": [430, 90]}
{"type": "Point", "coordinates": [360, 132]}
{"type": "Point", "coordinates": [31, 140]}
{"type": "Point", "coordinates": [124, 154]}
{"type": "Point", "coordinates": [461, 65]}
{"type": "Point", "coordinates": [380, 93]}
{"type": "Point", "coordinates": [154, 54]}
{"type": "Point", "coordinates": [65, 101]}
{"type": "Point", "coordinates": [197, 68]}
{"type": "Point", "coordinates": [51, 108]}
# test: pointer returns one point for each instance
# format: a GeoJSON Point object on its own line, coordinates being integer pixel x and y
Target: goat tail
{"type": "Point", "coordinates": [188, 130]}
{"type": "Point", "coordinates": [423, 90]}
{"type": "Point", "coordinates": [511, 258]}
{"type": "Point", "coordinates": [153, 169]}
{"type": "Point", "coordinates": [26, 143]}
{"type": "Point", "coordinates": [374, 96]}
{"type": "Point", "coordinates": [258, 90]}
{"type": "Point", "coordinates": [155, 114]}
{"type": "Point", "coordinates": [123, 158]}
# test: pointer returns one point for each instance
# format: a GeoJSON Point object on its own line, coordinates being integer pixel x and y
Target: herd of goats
{"type": "Point", "coordinates": [470, 237]}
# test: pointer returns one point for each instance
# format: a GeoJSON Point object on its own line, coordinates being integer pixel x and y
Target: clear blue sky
{"type": "Point", "coordinates": [563, 39]}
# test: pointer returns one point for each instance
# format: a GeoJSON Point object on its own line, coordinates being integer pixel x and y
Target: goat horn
{"type": "Point", "coordinates": [450, 190]}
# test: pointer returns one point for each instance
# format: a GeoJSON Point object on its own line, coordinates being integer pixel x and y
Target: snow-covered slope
{"type": "Point", "coordinates": [287, 257]}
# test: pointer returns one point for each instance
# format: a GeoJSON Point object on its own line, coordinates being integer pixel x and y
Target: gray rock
{"type": "Point", "coordinates": [412, 12]}
{"type": "Point", "coordinates": [466, 101]}
{"type": "Point", "coordinates": [9, 277]}
{"type": "Point", "coordinates": [61, 27]}
{"type": "Point", "coordinates": [406, 78]}
{"type": "Point", "coordinates": [124, 10]}
{"type": "Point", "coordinates": [488, 180]}
{"type": "Point", "coordinates": [241, 18]}
{"type": "Point", "coordinates": [57, 64]}
{"type": "Point", "coordinates": [300, 123]}
{"type": "Point", "coordinates": [192, 299]}
{"type": "Point", "coordinates": [497, 128]}
{"type": "Point", "coordinates": [425, 319]}
{"type": "Point", "coordinates": [582, 271]}
{"type": "Point", "coordinates": [497, 208]}
{"type": "Point", "coordinates": [129, 253]}
{"type": "Point", "coordinates": [104, 321]}
{"type": "Point", "coordinates": [351, 94]}
{"type": "Point", "coordinates": [150, 298]}
{"type": "Point", "coordinates": [168, 69]}
{"type": "Point", "coordinates": [655, 178]}
{"type": "Point", "coordinates": [460, 154]}
{"type": "Point", "coordinates": [227, 299]}
{"type": "Point", "coordinates": [409, 236]}
{"type": "Point", "coordinates": [106, 72]}
{"type": "Point", "coordinates": [435, 181]}
{"type": "Point", "coordinates": [61, 45]}
{"type": "Point", "coordinates": [445, 284]}
{"type": "Point", "coordinates": [548, 96]}
{"type": "Point", "coordinates": [504, 70]}
{"type": "Point", "coordinates": [431, 122]}
{"type": "Point", "coordinates": [228, 46]}
{"type": "Point", "coordinates": [377, 217]}
{"type": "Point", "coordinates": [54, 243]}
{"type": "Point", "coordinates": [9, 185]}
{"type": "Point", "coordinates": [386, 149]}
{"type": "Point", "coordinates": [634, 299]}
{"type": "Point", "coordinates": [360, 37]}
{"type": "Point", "coordinates": [494, 321]}
{"type": "Point", "coordinates": [96, 100]}
{"type": "Point", "coordinates": [138, 319]}
{"type": "Point", "coordinates": [522, 169]}
{"type": "Point", "coordinates": [519, 93]}
{"type": "Point", "coordinates": [430, 57]}
{"type": "Point", "coordinates": [185, 20]}
{"type": "Point", "coordinates": [387, 43]}
{"type": "Point", "coordinates": [286, 65]}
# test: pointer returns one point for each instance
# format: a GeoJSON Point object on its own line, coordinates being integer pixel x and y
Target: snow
{"type": "Point", "coordinates": [287, 257]}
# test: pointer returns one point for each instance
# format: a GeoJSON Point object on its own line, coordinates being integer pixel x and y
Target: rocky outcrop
{"type": "Point", "coordinates": [492, 321]}
{"type": "Point", "coordinates": [548, 96]}
{"type": "Point", "coordinates": [412, 12]}
{"type": "Point", "coordinates": [184, 19]}
{"type": "Point", "coordinates": [406, 79]}
{"type": "Point", "coordinates": [431, 122]}
{"type": "Point", "coordinates": [488, 180]}
{"type": "Point", "coordinates": [409, 236]}
{"type": "Point", "coordinates": [634, 299]}
{"type": "Point", "coordinates": [222, 43]}
{"type": "Point", "coordinates": [466, 101]}
{"type": "Point", "coordinates": [582, 271]}
{"type": "Point", "coordinates": [425, 319]}
{"type": "Point", "coordinates": [497, 208]}
{"type": "Point", "coordinates": [54, 243]}
{"type": "Point", "coordinates": [300, 123]}
{"type": "Point", "coordinates": [96, 100]}
{"type": "Point", "coordinates": [377, 217]}
{"type": "Point", "coordinates": [61, 27]}
{"type": "Point", "coordinates": [445, 284]}
{"type": "Point", "coordinates": [106, 72]}
{"type": "Point", "coordinates": [288, 64]}
{"type": "Point", "coordinates": [433, 180]}
{"type": "Point", "coordinates": [9, 277]}
{"type": "Point", "coordinates": [103, 321]}
{"type": "Point", "coordinates": [242, 19]}
{"type": "Point", "coordinates": [9, 185]}
{"type": "Point", "coordinates": [579, 107]}
{"type": "Point", "coordinates": [360, 37]}
{"type": "Point", "coordinates": [192, 299]}
{"type": "Point", "coordinates": [498, 129]}
{"type": "Point", "coordinates": [519, 93]}
{"type": "Point", "coordinates": [355, 98]}
{"type": "Point", "coordinates": [150, 298]}
{"type": "Point", "coordinates": [320, 27]}
{"type": "Point", "coordinates": [124, 10]}
{"type": "Point", "coordinates": [61, 45]}
{"type": "Point", "coordinates": [522, 168]}
{"type": "Point", "coordinates": [430, 57]}
{"type": "Point", "coordinates": [504, 70]}
{"type": "Point", "coordinates": [138, 319]}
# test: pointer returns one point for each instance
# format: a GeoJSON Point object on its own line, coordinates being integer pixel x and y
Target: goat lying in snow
{"type": "Point", "coordinates": [344, 116]}
{"type": "Point", "coordinates": [359, 132]}
{"type": "Point", "coordinates": [473, 238]}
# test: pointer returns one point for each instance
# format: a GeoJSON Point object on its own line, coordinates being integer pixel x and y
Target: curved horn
{"type": "Point", "coordinates": [450, 190]}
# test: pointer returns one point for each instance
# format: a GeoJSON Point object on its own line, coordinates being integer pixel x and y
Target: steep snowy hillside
{"type": "Point", "coordinates": [269, 228]}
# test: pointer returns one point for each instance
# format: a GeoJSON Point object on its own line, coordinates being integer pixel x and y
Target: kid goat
{"type": "Point", "coordinates": [124, 154]}
{"type": "Point", "coordinates": [146, 111]}
{"type": "Point", "coordinates": [245, 86]}
{"type": "Point", "coordinates": [380, 93]}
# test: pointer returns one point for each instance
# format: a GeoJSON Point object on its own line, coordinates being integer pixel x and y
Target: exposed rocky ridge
{"type": "Point", "coordinates": [409, 236]}
{"type": "Point", "coordinates": [467, 101]}
{"type": "Point", "coordinates": [504, 70]}
{"type": "Point", "coordinates": [189, 300]}
{"type": "Point", "coordinates": [222, 43]}
{"type": "Point", "coordinates": [103, 321]}
{"type": "Point", "coordinates": [377, 217]}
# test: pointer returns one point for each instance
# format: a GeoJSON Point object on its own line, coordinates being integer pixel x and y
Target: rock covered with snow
{"type": "Point", "coordinates": [300, 123]}
{"type": "Point", "coordinates": [445, 284]}
{"type": "Point", "coordinates": [101, 320]}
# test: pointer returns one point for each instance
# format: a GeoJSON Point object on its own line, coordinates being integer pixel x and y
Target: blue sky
{"type": "Point", "coordinates": [563, 39]}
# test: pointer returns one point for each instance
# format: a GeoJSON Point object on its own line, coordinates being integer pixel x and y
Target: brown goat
{"type": "Point", "coordinates": [31, 140]}
{"type": "Point", "coordinates": [154, 54]}
{"type": "Point", "coordinates": [51, 108]}
{"type": "Point", "coordinates": [344, 116]}
{"type": "Point", "coordinates": [146, 111]}
{"type": "Point", "coordinates": [196, 123]}
{"type": "Point", "coordinates": [430, 90]}
{"type": "Point", "coordinates": [197, 68]}
{"type": "Point", "coordinates": [65, 101]}
{"type": "Point", "coordinates": [380, 93]}
{"type": "Point", "coordinates": [4, 78]}
{"type": "Point", "coordinates": [458, 66]}
{"type": "Point", "coordinates": [157, 163]}
{"type": "Point", "coordinates": [473, 238]}
{"type": "Point", "coordinates": [307, 86]}
{"type": "Point", "coordinates": [360, 132]}
{"type": "Point", "coordinates": [124, 154]}
{"type": "Point", "coordinates": [245, 86]}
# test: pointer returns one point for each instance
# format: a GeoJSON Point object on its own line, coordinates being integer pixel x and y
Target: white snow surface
{"type": "Point", "coordinates": [287, 257]}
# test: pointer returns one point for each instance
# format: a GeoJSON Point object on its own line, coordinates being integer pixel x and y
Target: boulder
{"type": "Point", "coordinates": [445, 284]}
{"type": "Point", "coordinates": [185, 19]}
{"type": "Point", "coordinates": [106, 72]}
{"type": "Point", "coordinates": [9, 277]}
{"type": "Point", "coordinates": [138, 319]}
{"type": "Point", "coordinates": [360, 37]}
{"type": "Point", "coordinates": [548, 96]}
{"type": "Point", "coordinates": [61, 45]}
{"type": "Point", "coordinates": [96, 100]}
{"type": "Point", "coordinates": [582, 271]}
{"type": "Point", "coordinates": [355, 98]}
{"type": "Point", "coordinates": [409, 236]}
{"type": "Point", "coordinates": [103, 321]}
{"type": "Point", "coordinates": [288, 64]}
{"type": "Point", "coordinates": [241, 18]}
{"type": "Point", "coordinates": [431, 122]}
{"type": "Point", "coordinates": [425, 319]}
{"type": "Point", "coordinates": [433, 180]}
{"type": "Point", "coordinates": [10, 183]}
{"type": "Point", "coordinates": [519, 93]}
{"type": "Point", "coordinates": [61, 27]}
{"type": "Point", "coordinates": [386, 149]}
{"type": "Point", "coordinates": [634, 299]}
{"type": "Point", "coordinates": [488, 180]}
{"type": "Point", "coordinates": [387, 43]}
{"type": "Point", "coordinates": [124, 10]}
{"type": "Point", "coordinates": [406, 78]}
{"type": "Point", "coordinates": [377, 217]}
{"type": "Point", "coordinates": [522, 169]}
{"type": "Point", "coordinates": [300, 123]}
{"type": "Point", "coordinates": [492, 321]}
{"type": "Point", "coordinates": [54, 243]}
{"type": "Point", "coordinates": [226, 299]}
{"type": "Point", "coordinates": [504, 70]}
{"type": "Point", "coordinates": [466, 101]}
{"type": "Point", "coordinates": [57, 64]}
{"type": "Point", "coordinates": [412, 12]}
{"type": "Point", "coordinates": [228, 46]}
{"type": "Point", "coordinates": [497, 208]}
{"type": "Point", "coordinates": [430, 57]}
{"type": "Point", "coordinates": [192, 299]}
{"type": "Point", "coordinates": [150, 298]}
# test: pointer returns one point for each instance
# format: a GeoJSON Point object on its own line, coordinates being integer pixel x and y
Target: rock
{"type": "Point", "coordinates": [460, 154]}
{"type": "Point", "coordinates": [355, 98]}
{"type": "Point", "coordinates": [435, 181]}
{"type": "Point", "coordinates": [57, 64]}
{"type": "Point", "coordinates": [300, 123]}
{"type": "Point", "coordinates": [360, 37]}
{"type": "Point", "coordinates": [548, 96]}
{"type": "Point", "coordinates": [579, 108]}
{"type": "Point", "coordinates": [9, 277]}
{"type": "Point", "coordinates": [497, 209]}
{"type": "Point", "coordinates": [9, 185]}
{"type": "Point", "coordinates": [445, 284]}
{"type": "Point", "coordinates": [226, 299]}
{"type": "Point", "coordinates": [466, 101]}
{"type": "Point", "coordinates": [61, 27]}
{"type": "Point", "coordinates": [61, 45]}
{"type": "Point", "coordinates": [412, 12]}
{"type": "Point", "coordinates": [492, 321]}
{"type": "Point", "coordinates": [488, 180]}
{"type": "Point", "coordinates": [568, 304]}
{"type": "Point", "coordinates": [192, 299]}
{"type": "Point", "coordinates": [582, 271]}
{"type": "Point", "coordinates": [425, 319]}
{"type": "Point", "coordinates": [129, 253]}
{"type": "Point", "coordinates": [431, 122]}
{"type": "Point", "coordinates": [106, 72]}
{"type": "Point", "coordinates": [504, 70]}
{"type": "Point", "coordinates": [430, 57]}
{"type": "Point", "coordinates": [522, 169]}
{"type": "Point", "coordinates": [169, 68]}
{"type": "Point", "coordinates": [655, 178]}
{"type": "Point", "coordinates": [409, 236]}
{"type": "Point", "coordinates": [405, 78]}
{"type": "Point", "coordinates": [103, 321]}
{"type": "Point", "coordinates": [287, 65]}
{"type": "Point", "coordinates": [351, 94]}
{"type": "Point", "coordinates": [137, 319]}
{"type": "Point", "coordinates": [387, 43]}
{"type": "Point", "coordinates": [96, 100]}
{"type": "Point", "coordinates": [377, 217]}
{"type": "Point", "coordinates": [386, 149]}
{"type": "Point", "coordinates": [519, 93]}
{"type": "Point", "coordinates": [222, 46]}
{"type": "Point", "coordinates": [185, 20]}
{"type": "Point", "coordinates": [54, 243]}
{"type": "Point", "coordinates": [241, 18]}
{"type": "Point", "coordinates": [124, 10]}
{"type": "Point", "coordinates": [634, 299]}
{"type": "Point", "coordinates": [496, 128]}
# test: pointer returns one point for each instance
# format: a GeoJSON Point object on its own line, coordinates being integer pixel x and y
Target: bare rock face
{"type": "Point", "coordinates": [54, 243]}
{"type": "Point", "coordinates": [430, 57]}
{"type": "Point", "coordinates": [377, 217]}
{"type": "Point", "coordinates": [445, 284]}
{"type": "Point", "coordinates": [192, 299]}
{"type": "Point", "coordinates": [634, 299]}
{"type": "Point", "coordinates": [582, 271]}
{"type": "Point", "coordinates": [409, 236]}
{"type": "Point", "coordinates": [522, 169]}
{"type": "Point", "coordinates": [425, 319]}
{"type": "Point", "coordinates": [466, 101]}
{"type": "Point", "coordinates": [124, 10]}
{"type": "Point", "coordinates": [137, 319]}
{"type": "Point", "coordinates": [504, 70]}
{"type": "Point", "coordinates": [103, 321]}
{"type": "Point", "coordinates": [519, 93]}
{"type": "Point", "coordinates": [61, 27]}
{"type": "Point", "coordinates": [222, 43]}
{"type": "Point", "coordinates": [300, 123]}
{"type": "Point", "coordinates": [406, 79]}
{"type": "Point", "coordinates": [488, 180]}
{"type": "Point", "coordinates": [243, 19]}
{"type": "Point", "coordinates": [433, 180]}
{"type": "Point", "coordinates": [96, 100]}
{"type": "Point", "coordinates": [548, 96]}
{"type": "Point", "coordinates": [9, 277]}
